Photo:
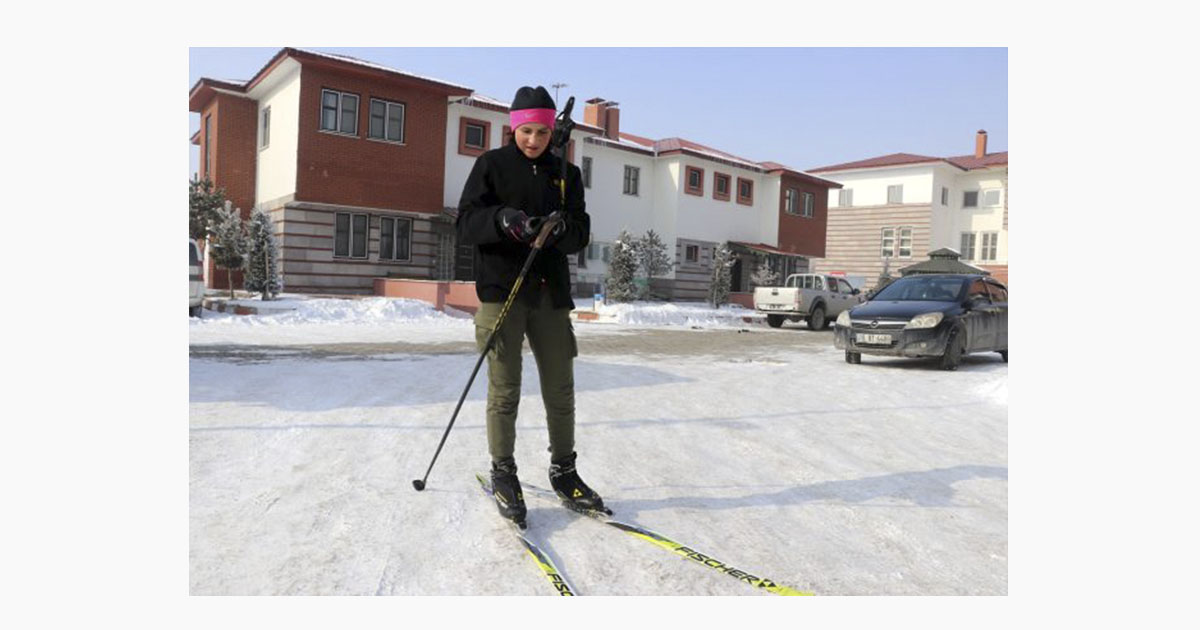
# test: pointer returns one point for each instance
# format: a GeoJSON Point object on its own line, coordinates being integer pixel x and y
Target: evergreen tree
{"type": "Point", "coordinates": [204, 202]}
{"type": "Point", "coordinates": [652, 257]}
{"type": "Point", "coordinates": [763, 276]}
{"type": "Point", "coordinates": [227, 242]}
{"type": "Point", "coordinates": [619, 286]}
{"type": "Point", "coordinates": [718, 290]}
{"type": "Point", "coordinates": [262, 257]}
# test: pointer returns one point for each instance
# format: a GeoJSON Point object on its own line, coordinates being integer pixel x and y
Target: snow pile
{"type": "Point", "coordinates": [674, 314]}
{"type": "Point", "coordinates": [296, 319]}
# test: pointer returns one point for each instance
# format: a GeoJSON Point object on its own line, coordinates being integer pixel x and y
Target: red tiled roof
{"type": "Point", "coordinates": [894, 159]}
{"type": "Point", "coordinates": [965, 162]}
{"type": "Point", "coordinates": [970, 162]}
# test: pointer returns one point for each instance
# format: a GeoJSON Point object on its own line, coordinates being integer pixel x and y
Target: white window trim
{"type": "Point", "coordinates": [808, 204]}
{"type": "Point", "coordinates": [350, 243]}
{"type": "Point", "coordinates": [396, 221]}
{"type": "Point", "coordinates": [791, 201]}
{"type": "Point", "coordinates": [900, 241]}
{"type": "Point", "coordinates": [983, 198]}
{"type": "Point", "coordinates": [635, 181]}
{"type": "Point", "coordinates": [387, 105]}
{"type": "Point", "coordinates": [969, 256]}
{"type": "Point", "coordinates": [849, 198]}
{"type": "Point", "coordinates": [264, 135]}
{"type": "Point", "coordinates": [884, 238]}
{"type": "Point", "coordinates": [889, 194]}
{"type": "Point", "coordinates": [483, 133]}
{"type": "Point", "coordinates": [338, 120]}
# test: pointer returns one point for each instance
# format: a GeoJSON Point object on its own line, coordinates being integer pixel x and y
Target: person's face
{"type": "Point", "coordinates": [532, 139]}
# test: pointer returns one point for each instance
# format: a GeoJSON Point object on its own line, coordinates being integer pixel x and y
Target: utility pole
{"type": "Point", "coordinates": [556, 86]}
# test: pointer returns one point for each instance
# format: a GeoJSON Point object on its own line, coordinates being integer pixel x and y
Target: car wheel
{"type": "Point", "coordinates": [816, 319]}
{"type": "Point", "coordinates": [853, 358]}
{"type": "Point", "coordinates": [955, 348]}
{"type": "Point", "coordinates": [774, 321]}
{"type": "Point", "coordinates": [194, 311]}
{"type": "Point", "coordinates": [1004, 355]}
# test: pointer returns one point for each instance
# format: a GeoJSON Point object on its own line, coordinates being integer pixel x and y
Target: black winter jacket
{"type": "Point", "coordinates": [504, 177]}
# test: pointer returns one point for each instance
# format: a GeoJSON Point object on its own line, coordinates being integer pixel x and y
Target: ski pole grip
{"type": "Point", "coordinates": [547, 228]}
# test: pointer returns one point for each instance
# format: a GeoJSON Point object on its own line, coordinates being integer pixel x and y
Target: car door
{"type": "Point", "coordinates": [980, 318]}
{"type": "Point", "coordinates": [1000, 304]}
{"type": "Point", "coordinates": [847, 292]}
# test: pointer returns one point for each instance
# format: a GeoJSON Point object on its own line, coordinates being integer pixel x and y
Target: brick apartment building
{"type": "Point", "coordinates": [360, 167]}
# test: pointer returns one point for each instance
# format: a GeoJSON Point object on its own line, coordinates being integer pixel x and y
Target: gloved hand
{"type": "Point", "coordinates": [560, 226]}
{"type": "Point", "coordinates": [515, 224]}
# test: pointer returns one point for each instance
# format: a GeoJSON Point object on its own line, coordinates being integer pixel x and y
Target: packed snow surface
{"type": "Point", "coordinates": [757, 446]}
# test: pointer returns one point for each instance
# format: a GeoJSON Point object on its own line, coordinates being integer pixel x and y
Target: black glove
{"type": "Point", "coordinates": [556, 232]}
{"type": "Point", "coordinates": [516, 225]}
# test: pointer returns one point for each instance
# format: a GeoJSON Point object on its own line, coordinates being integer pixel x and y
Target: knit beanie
{"type": "Point", "coordinates": [532, 105]}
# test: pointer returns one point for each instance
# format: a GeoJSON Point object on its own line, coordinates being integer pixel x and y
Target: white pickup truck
{"type": "Point", "coordinates": [815, 297]}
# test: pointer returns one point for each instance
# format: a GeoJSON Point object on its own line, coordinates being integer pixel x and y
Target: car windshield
{"type": "Point", "coordinates": [922, 288]}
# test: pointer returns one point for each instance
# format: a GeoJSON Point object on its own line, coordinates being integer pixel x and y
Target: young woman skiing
{"type": "Point", "coordinates": [509, 194]}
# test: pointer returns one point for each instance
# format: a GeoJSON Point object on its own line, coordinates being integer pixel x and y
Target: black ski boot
{"type": "Point", "coordinates": [571, 489]}
{"type": "Point", "coordinates": [506, 489]}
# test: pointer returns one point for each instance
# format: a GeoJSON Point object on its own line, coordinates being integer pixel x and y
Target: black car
{"type": "Point", "coordinates": [928, 315]}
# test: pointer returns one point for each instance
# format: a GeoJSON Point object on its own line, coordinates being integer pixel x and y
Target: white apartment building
{"type": "Point", "coordinates": [897, 208]}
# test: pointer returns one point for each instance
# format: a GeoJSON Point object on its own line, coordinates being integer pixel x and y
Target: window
{"type": "Point", "coordinates": [387, 121]}
{"type": "Point", "coordinates": [350, 235]}
{"type": "Point", "coordinates": [968, 246]}
{"type": "Point", "coordinates": [692, 253]}
{"type": "Point", "coordinates": [395, 237]}
{"type": "Point", "coordinates": [844, 287]}
{"type": "Point", "coordinates": [833, 285]}
{"type": "Point", "coordinates": [987, 250]}
{"type": "Point", "coordinates": [978, 290]}
{"type": "Point", "coordinates": [887, 244]}
{"type": "Point", "coordinates": [791, 201]}
{"type": "Point", "coordinates": [593, 250]}
{"type": "Point", "coordinates": [606, 254]}
{"type": "Point", "coordinates": [505, 135]}
{"type": "Point", "coordinates": [587, 172]}
{"type": "Point", "coordinates": [991, 197]}
{"type": "Point", "coordinates": [971, 199]}
{"type": "Point", "coordinates": [339, 112]}
{"type": "Point", "coordinates": [694, 183]}
{"type": "Point", "coordinates": [810, 201]}
{"type": "Point", "coordinates": [581, 259]}
{"type": "Point", "coordinates": [745, 192]}
{"type": "Point", "coordinates": [473, 136]}
{"type": "Point", "coordinates": [631, 180]}
{"type": "Point", "coordinates": [265, 140]}
{"type": "Point", "coordinates": [208, 146]}
{"type": "Point", "coordinates": [845, 197]}
{"type": "Point", "coordinates": [720, 187]}
{"type": "Point", "coordinates": [896, 193]}
{"type": "Point", "coordinates": [945, 196]}
{"type": "Point", "coordinates": [906, 242]}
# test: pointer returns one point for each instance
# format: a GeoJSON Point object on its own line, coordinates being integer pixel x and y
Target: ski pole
{"type": "Point", "coordinates": [547, 227]}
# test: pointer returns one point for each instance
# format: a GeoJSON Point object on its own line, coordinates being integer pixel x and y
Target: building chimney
{"type": "Point", "coordinates": [612, 124]}
{"type": "Point", "coordinates": [980, 143]}
{"type": "Point", "coordinates": [605, 115]}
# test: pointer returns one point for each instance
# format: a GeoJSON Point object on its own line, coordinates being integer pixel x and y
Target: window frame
{"type": "Point", "coordinates": [631, 180]}
{"type": "Point", "coordinates": [585, 170]}
{"type": "Point", "coordinates": [728, 179]}
{"type": "Point", "coordinates": [975, 204]}
{"type": "Point", "coordinates": [471, 150]}
{"type": "Point", "coordinates": [900, 238]}
{"type": "Point", "coordinates": [339, 111]}
{"type": "Point", "coordinates": [899, 188]}
{"type": "Point", "coordinates": [396, 222]}
{"type": "Point", "coordinates": [264, 135]}
{"type": "Point", "coordinates": [983, 198]}
{"type": "Point", "coordinates": [697, 190]}
{"type": "Point", "coordinates": [945, 196]}
{"type": "Point", "coordinates": [988, 252]}
{"type": "Point", "coordinates": [350, 236]}
{"type": "Point", "coordinates": [745, 200]}
{"type": "Point", "coordinates": [846, 198]}
{"type": "Point", "coordinates": [887, 243]}
{"type": "Point", "coordinates": [808, 204]}
{"type": "Point", "coordinates": [967, 252]}
{"type": "Point", "coordinates": [691, 253]}
{"type": "Point", "coordinates": [387, 108]}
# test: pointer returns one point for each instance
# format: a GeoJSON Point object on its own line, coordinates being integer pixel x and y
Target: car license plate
{"type": "Point", "coordinates": [878, 340]}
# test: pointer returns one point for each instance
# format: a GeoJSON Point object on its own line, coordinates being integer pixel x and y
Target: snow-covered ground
{"type": "Point", "coordinates": [883, 478]}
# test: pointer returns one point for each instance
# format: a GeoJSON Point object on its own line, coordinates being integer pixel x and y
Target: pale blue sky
{"type": "Point", "coordinates": [803, 107]}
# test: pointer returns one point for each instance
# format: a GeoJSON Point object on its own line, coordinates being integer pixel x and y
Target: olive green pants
{"type": "Point", "coordinates": [552, 339]}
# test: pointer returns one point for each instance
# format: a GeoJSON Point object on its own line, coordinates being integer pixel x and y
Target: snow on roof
{"type": "Point", "coordinates": [368, 64]}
